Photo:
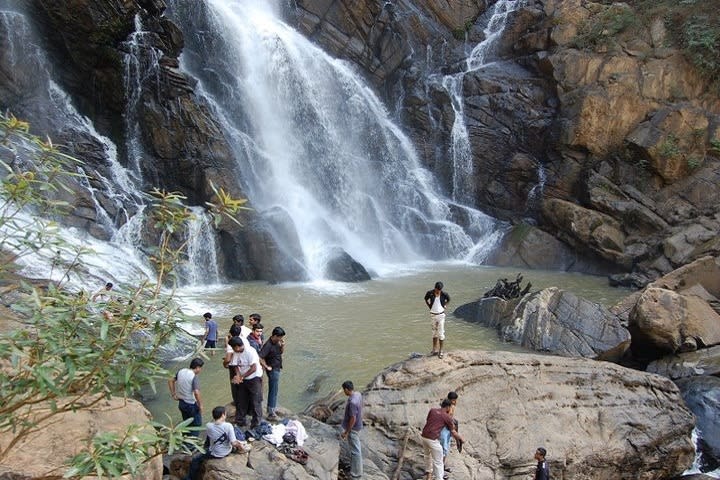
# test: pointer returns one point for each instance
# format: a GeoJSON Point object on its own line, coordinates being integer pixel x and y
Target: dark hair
{"type": "Point", "coordinates": [239, 319]}
{"type": "Point", "coordinates": [278, 332]}
{"type": "Point", "coordinates": [445, 403]}
{"type": "Point", "coordinates": [256, 316]}
{"type": "Point", "coordinates": [235, 330]}
{"type": "Point", "coordinates": [108, 285]}
{"type": "Point", "coordinates": [234, 341]}
{"type": "Point", "coordinates": [348, 385]}
{"type": "Point", "coordinates": [207, 315]}
{"type": "Point", "coordinates": [218, 412]}
{"type": "Point", "coordinates": [542, 451]}
{"type": "Point", "coordinates": [439, 285]}
{"type": "Point", "coordinates": [196, 362]}
{"type": "Point", "coordinates": [258, 326]}
{"type": "Point", "coordinates": [452, 396]}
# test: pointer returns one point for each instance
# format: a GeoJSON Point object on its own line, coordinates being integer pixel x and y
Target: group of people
{"type": "Point", "coordinates": [248, 357]}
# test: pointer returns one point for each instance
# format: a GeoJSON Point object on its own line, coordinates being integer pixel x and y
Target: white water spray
{"type": "Point", "coordinates": [314, 142]}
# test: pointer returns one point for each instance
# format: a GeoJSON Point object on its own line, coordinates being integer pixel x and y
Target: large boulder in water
{"type": "Point", "coordinates": [342, 267]}
{"type": "Point", "coordinates": [553, 320]}
{"type": "Point", "coordinates": [599, 421]}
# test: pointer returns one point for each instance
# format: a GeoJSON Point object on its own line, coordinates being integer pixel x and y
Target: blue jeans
{"type": "Point", "coordinates": [273, 386]}
{"type": "Point", "coordinates": [356, 463]}
{"type": "Point", "coordinates": [191, 410]}
{"type": "Point", "coordinates": [445, 440]}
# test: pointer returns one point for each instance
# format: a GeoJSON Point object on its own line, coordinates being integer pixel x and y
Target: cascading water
{"type": "Point", "coordinates": [121, 212]}
{"type": "Point", "coordinates": [479, 57]}
{"type": "Point", "coordinates": [313, 141]}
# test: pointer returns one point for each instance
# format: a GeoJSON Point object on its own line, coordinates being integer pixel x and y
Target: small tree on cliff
{"type": "Point", "coordinates": [69, 353]}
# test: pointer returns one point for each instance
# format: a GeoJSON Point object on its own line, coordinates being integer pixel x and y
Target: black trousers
{"type": "Point", "coordinates": [248, 398]}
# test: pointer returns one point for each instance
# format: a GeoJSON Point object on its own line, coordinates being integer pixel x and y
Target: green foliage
{"type": "Point", "coordinates": [669, 147]}
{"type": "Point", "coordinates": [715, 146]}
{"type": "Point", "coordinates": [693, 27]}
{"type": "Point", "coordinates": [701, 42]}
{"type": "Point", "coordinates": [72, 352]}
{"type": "Point", "coordinates": [603, 28]}
{"type": "Point", "coordinates": [694, 161]}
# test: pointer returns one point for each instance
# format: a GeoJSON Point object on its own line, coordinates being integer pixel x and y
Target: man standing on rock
{"type": "Point", "coordinates": [245, 381]}
{"type": "Point", "coordinates": [542, 472]}
{"type": "Point", "coordinates": [436, 300]}
{"type": "Point", "coordinates": [437, 418]}
{"type": "Point", "coordinates": [271, 359]}
{"type": "Point", "coordinates": [351, 425]}
{"type": "Point", "coordinates": [185, 388]}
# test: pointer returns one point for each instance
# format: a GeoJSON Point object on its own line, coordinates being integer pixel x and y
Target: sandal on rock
{"type": "Point", "coordinates": [441, 354]}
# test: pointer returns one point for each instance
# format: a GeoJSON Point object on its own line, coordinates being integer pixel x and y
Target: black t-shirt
{"type": "Point", "coordinates": [542, 472]}
{"type": "Point", "coordinates": [272, 354]}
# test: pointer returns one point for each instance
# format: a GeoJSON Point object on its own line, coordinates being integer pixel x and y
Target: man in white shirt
{"type": "Point", "coordinates": [245, 381]}
{"type": "Point", "coordinates": [436, 300]}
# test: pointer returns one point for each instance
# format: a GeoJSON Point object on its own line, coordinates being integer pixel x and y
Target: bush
{"type": "Point", "coordinates": [71, 352]}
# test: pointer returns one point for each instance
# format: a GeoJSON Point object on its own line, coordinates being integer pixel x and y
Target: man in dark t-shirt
{"type": "Point", "coordinates": [542, 472]}
{"type": "Point", "coordinates": [271, 360]}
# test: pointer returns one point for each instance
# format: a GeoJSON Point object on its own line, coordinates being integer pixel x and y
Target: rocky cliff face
{"type": "Point", "coordinates": [610, 147]}
{"type": "Point", "coordinates": [617, 136]}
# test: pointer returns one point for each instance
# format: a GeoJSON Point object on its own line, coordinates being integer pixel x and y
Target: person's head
{"type": "Point", "coordinates": [238, 319]}
{"type": "Point", "coordinates": [207, 316]}
{"type": "Point", "coordinates": [452, 396]}
{"type": "Point", "coordinates": [196, 364]}
{"type": "Point", "coordinates": [108, 286]}
{"type": "Point", "coordinates": [236, 343]}
{"type": "Point", "coordinates": [439, 286]}
{"type": "Point", "coordinates": [348, 387]}
{"type": "Point", "coordinates": [277, 334]}
{"type": "Point", "coordinates": [235, 330]}
{"type": "Point", "coordinates": [446, 404]}
{"type": "Point", "coordinates": [540, 454]}
{"type": "Point", "coordinates": [257, 329]}
{"type": "Point", "coordinates": [254, 318]}
{"type": "Point", "coordinates": [218, 413]}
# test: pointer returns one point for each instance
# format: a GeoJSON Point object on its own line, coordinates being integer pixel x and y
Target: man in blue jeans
{"type": "Point", "coordinates": [351, 425]}
{"type": "Point", "coordinates": [271, 360]}
{"type": "Point", "coordinates": [185, 388]}
{"type": "Point", "coordinates": [445, 432]}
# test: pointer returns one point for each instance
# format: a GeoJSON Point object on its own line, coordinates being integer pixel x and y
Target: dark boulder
{"type": "Point", "coordinates": [342, 267]}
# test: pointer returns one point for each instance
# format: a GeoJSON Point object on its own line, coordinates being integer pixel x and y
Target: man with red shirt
{"type": "Point", "coordinates": [437, 418]}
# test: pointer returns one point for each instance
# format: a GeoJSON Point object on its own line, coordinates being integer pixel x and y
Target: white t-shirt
{"type": "Point", "coordinates": [436, 306]}
{"type": "Point", "coordinates": [245, 360]}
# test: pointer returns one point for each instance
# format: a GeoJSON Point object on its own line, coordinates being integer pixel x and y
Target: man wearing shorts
{"type": "Point", "coordinates": [436, 300]}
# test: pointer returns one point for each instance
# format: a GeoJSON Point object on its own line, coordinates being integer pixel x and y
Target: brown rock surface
{"type": "Point", "coordinates": [599, 421]}
{"type": "Point", "coordinates": [45, 451]}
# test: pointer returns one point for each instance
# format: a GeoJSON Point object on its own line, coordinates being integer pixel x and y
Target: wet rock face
{"type": "Point", "coordinates": [509, 404]}
{"type": "Point", "coordinates": [702, 396]}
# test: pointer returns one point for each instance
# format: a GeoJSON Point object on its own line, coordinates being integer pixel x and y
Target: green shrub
{"type": "Point", "coordinates": [669, 147]}
{"type": "Point", "coordinates": [603, 28]}
{"type": "Point", "coordinates": [71, 353]}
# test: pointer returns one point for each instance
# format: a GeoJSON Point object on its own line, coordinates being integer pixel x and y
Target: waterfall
{"type": "Point", "coordinates": [479, 57]}
{"type": "Point", "coordinates": [115, 191]}
{"type": "Point", "coordinates": [201, 267]}
{"type": "Point", "coordinates": [313, 141]}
